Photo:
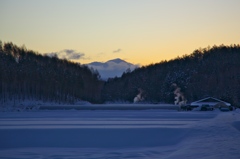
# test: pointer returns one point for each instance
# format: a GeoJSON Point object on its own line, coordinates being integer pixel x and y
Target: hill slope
{"type": "Point", "coordinates": [206, 72]}
{"type": "Point", "coordinates": [24, 74]}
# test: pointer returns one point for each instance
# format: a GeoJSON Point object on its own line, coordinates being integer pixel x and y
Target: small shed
{"type": "Point", "coordinates": [210, 101]}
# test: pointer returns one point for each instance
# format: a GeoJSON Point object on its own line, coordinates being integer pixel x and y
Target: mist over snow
{"type": "Point", "coordinates": [112, 68]}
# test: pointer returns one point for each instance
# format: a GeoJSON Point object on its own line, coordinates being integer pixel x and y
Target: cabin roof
{"type": "Point", "coordinates": [209, 100]}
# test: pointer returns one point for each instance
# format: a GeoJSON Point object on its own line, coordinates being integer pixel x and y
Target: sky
{"type": "Point", "coordinates": [138, 31]}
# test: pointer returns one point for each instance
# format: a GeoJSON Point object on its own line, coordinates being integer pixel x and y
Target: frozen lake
{"type": "Point", "coordinates": [119, 134]}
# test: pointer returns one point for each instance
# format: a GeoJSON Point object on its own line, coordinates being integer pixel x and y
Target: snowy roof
{"type": "Point", "coordinates": [210, 101]}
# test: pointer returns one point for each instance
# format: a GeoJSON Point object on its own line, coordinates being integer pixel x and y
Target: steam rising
{"type": "Point", "coordinates": [139, 97]}
{"type": "Point", "coordinates": [179, 96]}
{"type": "Point", "coordinates": [17, 59]}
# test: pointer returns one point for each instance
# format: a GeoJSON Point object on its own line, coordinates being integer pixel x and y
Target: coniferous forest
{"type": "Point", "coordinates": [25, 74]}
{"type": "Point", "coordinates": [212, 71]}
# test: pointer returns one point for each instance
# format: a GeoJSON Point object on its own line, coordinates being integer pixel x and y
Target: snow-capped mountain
{"type": "Point", "coordinates": [112, 68]}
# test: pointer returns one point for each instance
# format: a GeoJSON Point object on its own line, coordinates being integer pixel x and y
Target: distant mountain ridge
{"type": "Point", "coordinates": [112, 68]}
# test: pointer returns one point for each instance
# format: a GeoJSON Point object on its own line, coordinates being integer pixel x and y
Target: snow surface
{"type": "Point", "coordinates": [100, 134]}
{"type": "Point", "coordinates": [30, 105]}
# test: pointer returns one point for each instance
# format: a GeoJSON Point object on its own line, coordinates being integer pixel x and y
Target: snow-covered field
{"type": "Point", "coordinates": [117, 134]}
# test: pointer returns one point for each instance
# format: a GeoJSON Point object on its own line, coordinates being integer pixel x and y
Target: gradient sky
{"type": "Point", "coordinates": [139, 31]}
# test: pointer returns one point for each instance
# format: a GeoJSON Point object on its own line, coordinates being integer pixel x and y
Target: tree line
{"type": "Point", "coordinates": [211, 71]}
{"type": "Point", "coordinates": [25, 74]}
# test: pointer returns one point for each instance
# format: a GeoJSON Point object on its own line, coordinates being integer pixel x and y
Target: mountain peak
{"type": "Point", "coordinates": [117, 60]}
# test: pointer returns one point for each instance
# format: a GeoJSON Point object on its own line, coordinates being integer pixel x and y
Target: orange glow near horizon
{"type": "Point", "coordinates": [141, 32]}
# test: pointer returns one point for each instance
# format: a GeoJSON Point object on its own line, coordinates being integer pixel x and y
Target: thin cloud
{"type": "Point", "coordinates": [117, 51]}
{"type": "Point", "coordinates": [68, 54]}
{"type": "Point", "coordinates": [52, 54]}
{"type": "Point", "coordinates": [72, 54]}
